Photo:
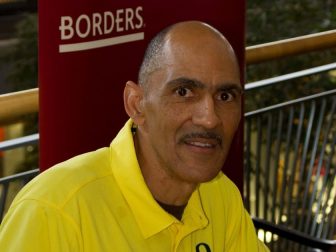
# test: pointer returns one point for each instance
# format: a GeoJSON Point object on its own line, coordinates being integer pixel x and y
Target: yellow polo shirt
{"type": "Point", "coordinates": [99, 202]}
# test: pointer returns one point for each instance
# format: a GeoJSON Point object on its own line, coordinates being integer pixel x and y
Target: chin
{"type": "Point", "coordinates": [201, 177]}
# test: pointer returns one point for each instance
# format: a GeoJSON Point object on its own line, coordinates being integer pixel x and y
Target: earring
{"type": "Point", "coordinates": [134, 128]}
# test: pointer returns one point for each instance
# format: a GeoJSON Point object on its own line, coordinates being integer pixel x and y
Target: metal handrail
{"type": "Point", "coordinates": [19, 142]}
{"type": "Point", "coordinates": [290, 76]}
{"type": "Point", "coordinates": [23, 177]}
{"type": "Point", "coordinates": [19, 176]}
{"type": "Point", "coordinates": [293, 235]}
{"type": "Point", "coordinates": [291, 102]}
{"type": "Point", "coordinates": [17, 104]}
{"type": "Point", "coordinates": [289, 47]}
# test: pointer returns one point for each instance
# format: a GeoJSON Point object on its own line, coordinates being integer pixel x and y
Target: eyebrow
{"type": "Point", "coordinates": [198, 84]}
{"type": "Point", "coordinates": [187, 81]}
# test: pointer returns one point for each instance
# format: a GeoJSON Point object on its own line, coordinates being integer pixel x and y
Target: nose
{"type": "Point", "coordinates": [205, 114]}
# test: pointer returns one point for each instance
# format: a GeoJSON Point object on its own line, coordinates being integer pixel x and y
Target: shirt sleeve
{"type": "Point", "coordinates": [32, 226]}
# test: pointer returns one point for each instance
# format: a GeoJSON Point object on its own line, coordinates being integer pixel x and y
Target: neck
{"type": "Point", "coordinates": [176, 211]}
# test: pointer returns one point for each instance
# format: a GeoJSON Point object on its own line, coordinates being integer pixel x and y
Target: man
{"type": "Point", "coordinates": [158, 187]}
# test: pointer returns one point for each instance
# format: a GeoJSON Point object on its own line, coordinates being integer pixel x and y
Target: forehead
{"type": "Point", "coordinates": [206, 60]}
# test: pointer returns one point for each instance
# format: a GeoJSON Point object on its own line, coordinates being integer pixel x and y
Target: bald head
{"type": "Point", "coordinates": [190, 35]}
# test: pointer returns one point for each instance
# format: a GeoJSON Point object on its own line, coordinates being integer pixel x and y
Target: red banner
{"type": "Point", "coordinates": [89, 49]}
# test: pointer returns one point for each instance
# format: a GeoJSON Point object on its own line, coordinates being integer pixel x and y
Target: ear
{"type": "Point", "coordinates": [133, 95]}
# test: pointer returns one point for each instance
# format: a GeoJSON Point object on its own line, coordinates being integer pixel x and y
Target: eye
{"type": "Point", "coordinates": [183, 92]}
{"type": "Point", "coordinates": [226, 96]}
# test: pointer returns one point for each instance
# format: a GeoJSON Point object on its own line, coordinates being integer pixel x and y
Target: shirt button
{"type": "Point", "coordinates": [174, 228]}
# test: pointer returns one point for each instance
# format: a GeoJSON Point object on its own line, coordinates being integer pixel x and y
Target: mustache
{"type": "Point", "coordinates": [206, 135]}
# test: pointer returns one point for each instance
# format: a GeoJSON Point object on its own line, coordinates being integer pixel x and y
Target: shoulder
{"type": "Point", "coordinates": [63, 180]}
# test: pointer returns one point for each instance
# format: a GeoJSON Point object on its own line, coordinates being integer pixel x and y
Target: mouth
{"type": "Point", "coordinates": [202, 141]}
{"type": "Point", "coordinates": [201, 144]}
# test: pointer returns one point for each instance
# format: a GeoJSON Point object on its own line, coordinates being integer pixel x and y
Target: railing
{"type": "Point", "coordinates": [289, 47]}
{"type": "Point", "coordinates": [15, 105]}
{"type": "Point", "coordinates": [290, 162]}
{"type": "Point", "coordinates": [19, 142]}
{"type": "Point", "coordinates": [286, 143]}
{"type": "Point", "coordinates": [19, 180]}
{"type": "Point", "coordinates": [290, 76]}
{"type": "Point", "coordinates": [290, 165]}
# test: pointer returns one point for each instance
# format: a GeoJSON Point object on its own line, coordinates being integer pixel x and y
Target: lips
{"type": "Point", "coordinates": [200, 144]}
{"type": "Point", "coordinates": [202, 139]}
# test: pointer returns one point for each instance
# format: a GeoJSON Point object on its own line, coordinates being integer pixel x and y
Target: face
{"type": "Point", "coordinates": [191, 108]}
